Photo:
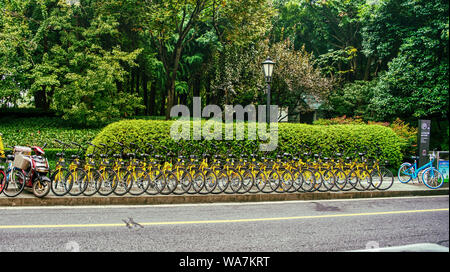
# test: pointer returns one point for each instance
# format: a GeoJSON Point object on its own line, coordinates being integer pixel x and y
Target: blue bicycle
{"type": "Point", "coordinates": [431, 177]}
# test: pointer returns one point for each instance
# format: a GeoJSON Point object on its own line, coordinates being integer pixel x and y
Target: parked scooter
{"type": "Point", "coordinates": [33, 170]}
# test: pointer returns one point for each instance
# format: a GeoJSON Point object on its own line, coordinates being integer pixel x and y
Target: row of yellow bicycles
{"type": "Point", "coordinates": [199, 168]}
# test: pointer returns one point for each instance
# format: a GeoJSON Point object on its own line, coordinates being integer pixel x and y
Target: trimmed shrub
{"type": "Point", "coordinates": [291, 138]}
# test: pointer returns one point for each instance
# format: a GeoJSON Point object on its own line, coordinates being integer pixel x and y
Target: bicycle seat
{"type": "Point", "coordinates": [10, 157]}
{"type": "Point", "coordinates": [415, 157]}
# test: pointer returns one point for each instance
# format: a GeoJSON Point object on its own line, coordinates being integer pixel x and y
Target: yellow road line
{"type": "Point", "coordinates": [220, 220]}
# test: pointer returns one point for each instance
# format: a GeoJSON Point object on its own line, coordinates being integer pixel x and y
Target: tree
{"type": "Point", "coordinates": [416, 81]}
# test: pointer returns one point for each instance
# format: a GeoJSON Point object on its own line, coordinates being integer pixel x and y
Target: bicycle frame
{"type": "Point", "coordinates": [416, 171]}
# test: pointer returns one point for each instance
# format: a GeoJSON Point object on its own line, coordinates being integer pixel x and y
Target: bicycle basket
{"type": "Point", "coordinates": [22, 162]}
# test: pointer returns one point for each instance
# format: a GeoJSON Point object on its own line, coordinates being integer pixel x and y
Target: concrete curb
{"type": "Point", "coordinates": [189, 199]}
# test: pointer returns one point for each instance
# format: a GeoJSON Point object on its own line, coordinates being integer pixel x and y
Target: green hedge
{"type": "Point", "coordinates": [290, 137]}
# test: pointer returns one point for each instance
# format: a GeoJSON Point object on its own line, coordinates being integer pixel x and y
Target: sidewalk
{"type": "Point", "coordinates": [398, 189]}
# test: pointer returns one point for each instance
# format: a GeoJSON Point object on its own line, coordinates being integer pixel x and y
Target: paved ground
{"type": "Point", "coordinates": [297, 226]}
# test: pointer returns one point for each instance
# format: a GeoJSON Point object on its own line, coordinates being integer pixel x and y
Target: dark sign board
{"type": "Point", "coordinates": [423, 141]}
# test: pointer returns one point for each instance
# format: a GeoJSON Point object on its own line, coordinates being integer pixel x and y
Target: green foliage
{"type": "Point", "coordinates": [291, 137]}
{"type": "Point", "coordinates": [41, 130]}
{"type": "Point", "coordinates": [406, 133]}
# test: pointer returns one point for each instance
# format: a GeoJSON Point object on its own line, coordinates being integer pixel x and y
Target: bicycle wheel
{"type": "Point", "coordinates": [382, 178]}
{"type": "Point", "coordinates": [286, 182]}
{"type": "Point", "coordinates": [141, 181]}
{"type": "Point", "coordinates": [272, 182]}
{"type": "Point", "coordinates": [210, 181]}
{"type": "Point", "coordinates": [364, 180]}
{"type": "Point", "coordinates": [157, 182]}
{"type": "Point", "coordinates": [222, 181]}
{"type": "Point", "coordinates": [94, 181]}
{"type": "Point", "coordinates": [318, 178]}
{"type": "Point", "coordinates": [108, 181]}
{"type": "Point", "coordinates": [184, 181]}
{"type": "Point", "coordinates": [247, 181]}
{"type": "Point", "coordinates": [62, 181]}
{"type": "Point", "coordinates": [2, 181]}
{"type": "Point", "coordinates": [198, 181]}
{"type": "Point", "coordinates": [235, 181]}
{"type": "Point", "coordinates": [297, 182]}
{"type": "Point", "coordinates": [341, 180]}
{"type": "Point", "coordinates": [15, 183]}
{"type": "Point", "coordinates": [79, 183]}
{"type": "Point", "coordinates": [125, 181]}
{"type": "Point", "coordinates": [405, 172]}
{"type": "Point", "coordinates": [260, 182]}
{"type": "Point", "coordinates": [352, 181]}
{"type": "Point", "coordinates": [432, 178]}
{"type": "Point", "coordinates": [327, 182]}
{"type": "Point", "coordinates": [309, 180]}
{"type": "Point", "coordinates": [171, 182]}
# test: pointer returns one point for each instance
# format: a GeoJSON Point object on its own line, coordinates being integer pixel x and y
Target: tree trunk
{"type": "Point", "coordinates": [171, 81]}
{"type": "Point", "coordinates": [145, 91]}
{"type": "Point", "coordinates": [40, 99]}
{"type": "Point", "coordinates": [152, 98]}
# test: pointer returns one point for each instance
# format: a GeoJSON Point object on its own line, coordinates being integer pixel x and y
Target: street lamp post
{"type": "Point", "coordinates": [268, 65]}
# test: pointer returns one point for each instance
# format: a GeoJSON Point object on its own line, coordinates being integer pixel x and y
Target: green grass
{"type": "Point", "coordinates": [41, 130]}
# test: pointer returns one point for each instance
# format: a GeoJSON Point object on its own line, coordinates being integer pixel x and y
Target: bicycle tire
{"type": "Point", "coordinates": [2, 181]}
{"type": "Point", "coordinates": [327, 182]}
{"type": "Point", "coordinates": [298, 181]}
{"type": "Point", "coordinates": [94, 181]}
{"type": "Point", "coordinates": [405, 172]}
{"type": "Point", "coordinates": [184, 181]}
{"type": "Point", "coordinates": [352, 181]}
{"type": "Point", "coordinates": [79, 183]}
{"type": "Point", "coordinates": [382, 178]}
{"type": "Point", "coordinates": [247, 181]}
{"type": "Point", "coordinates": [141, 181]}
{"type": "Point", "coordinates": [125, 181]}
{"type": "Point", "coordinates": [210, 181]}
{"type": "Point", "coordinates": [309, 180]}
{"type": "Point", "coordinates": [260, 181]}
{"type": "Point", "coordinates": [234, 181]}
{"type": "Point", "coordinates": [157, 182]}
{"type": "Point", "coordinates": [341, 180]}
{"type": "Point", "coordinates": [286, 182]}
{"type": "Point", "coordinates": [364, 180]}
{"type": "Point", "coordinates": [272, 182]}
{"type": "Point", "coordinates": [198, 180]}
{"type": "Point", "coordinates": [15, 184]}
{"type": "Point", "coordinates": [62, 181]}
{"type": "Point", "coordinates": [432, 178]}
{"type": "Point", "coordinates": [108, 182]}
{"type": "Point", "coordinates": [222, 181]}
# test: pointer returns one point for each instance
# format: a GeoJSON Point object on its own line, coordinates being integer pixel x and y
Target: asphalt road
{"type": "Point", "coordinates": [321, 225]}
